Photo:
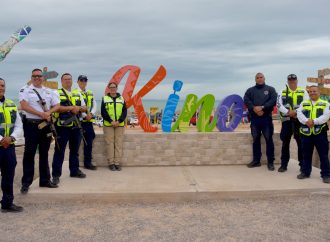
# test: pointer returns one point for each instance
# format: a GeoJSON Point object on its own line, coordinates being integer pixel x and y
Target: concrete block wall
{"type": "Point", "coordinates": [215, 148]}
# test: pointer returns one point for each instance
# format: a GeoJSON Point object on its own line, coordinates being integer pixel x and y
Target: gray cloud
{"type": "Point", "coordinates": [212, 46]}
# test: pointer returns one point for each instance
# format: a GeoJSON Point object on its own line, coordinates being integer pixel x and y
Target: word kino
{"type": "Point", "coordinates": [232, 104]}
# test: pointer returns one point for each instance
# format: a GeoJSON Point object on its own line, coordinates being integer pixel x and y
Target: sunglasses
{"type": "Point", "coordinates": [36, 76]}
{"type": "Point", "coordinates": [83, 80]}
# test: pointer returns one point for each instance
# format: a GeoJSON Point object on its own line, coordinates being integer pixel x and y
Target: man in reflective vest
{"type": "Point", "coordinates": [10, 129]}
{"type": "Point", "coordinates": [288, 102]}
{"type": "Point", "coordinates": [88, 119]}
{"type": "Point", "coordinates": [313, 114]}
{"type": "Point", "coordinates": [71, 105]}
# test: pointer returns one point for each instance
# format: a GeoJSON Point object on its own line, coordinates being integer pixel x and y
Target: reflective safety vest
{"type": "Point", "coordinates": [114, 108]}
{"type": "Point", "coordinates": [291, 100]}
{"type": "Point", "coordinates": [74, 98]}
{"type": "Point", "coordinates": [312, 112]}
{"type": "Point", "coordinates": [88, 97]}
{"type": "Point", "coordinates": [7, 118]}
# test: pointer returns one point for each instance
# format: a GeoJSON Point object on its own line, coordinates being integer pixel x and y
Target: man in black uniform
{"type": "Point", "coordinates": [10, 129]}
{"type": "Point", "coordinates": [260, 100]}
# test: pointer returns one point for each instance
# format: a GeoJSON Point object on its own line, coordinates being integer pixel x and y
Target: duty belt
{"type": "Point", "coordinates": [33, 121]}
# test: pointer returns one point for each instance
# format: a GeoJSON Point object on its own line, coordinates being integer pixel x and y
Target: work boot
{"type": "Point", "coordinates": [282, 169]}
{"type": "Point", "coordinates": [253, 164]}
{"type": "Point", "coordinates": [56, 180]}
{"type": "Point", "coordinates": [112, 167]}
{"type": "Point", "coordinates": [326, 179]}
{"type": "Point", "coordinates": [24, 189]}
{"type": "Point", "coordinates": [11, 209]}
{"type": "Point", "coordinates": [302, 176]}
{"type": "Point", "coordinates": [270, 167]}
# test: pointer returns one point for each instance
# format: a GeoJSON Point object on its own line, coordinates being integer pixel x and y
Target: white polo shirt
{"type": "Point", "coordinates": [50, 96]}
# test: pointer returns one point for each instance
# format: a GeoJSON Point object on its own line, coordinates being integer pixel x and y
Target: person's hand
{"type": "Point", "coordinates": [75, 109]}
{"type": "Point", "coordinates": [114, 124]}
{"type": "Point", "coordinates": [260, 113]}
{"type": "Point", "coordinates": [310, 123]}
{"type": "Point", "coordinates": [45, 115]}
{"type": "Point", "coordinates": [257, 109]}
{"type": "Point", "coordinates": [5, 142]}
{"type": "Point", "coordinates": [292, 114]}
{"type": "Point", "coordinates": [89, 117]}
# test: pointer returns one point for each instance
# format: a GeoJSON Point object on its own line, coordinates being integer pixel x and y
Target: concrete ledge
{"type": "Point", "coordinates": [179, 183]}
{"type": "Point", "coordinates": [184, 149]}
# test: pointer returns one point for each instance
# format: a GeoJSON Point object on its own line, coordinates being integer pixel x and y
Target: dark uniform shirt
{"type": "Point", "coordinates": [260, 95]}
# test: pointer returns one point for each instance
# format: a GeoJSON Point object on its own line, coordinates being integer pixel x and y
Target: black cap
{"type": "Point", "coordinates": [292, 77]}
{"type": "Point", "coordinates": [82, 77]}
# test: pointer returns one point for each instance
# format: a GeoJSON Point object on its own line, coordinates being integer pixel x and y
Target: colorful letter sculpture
{"type": "Point", "coordinates": [232, 107]}
{"type": "Point", "coordinates": [171, 104]}
{"type": "Point", "coordinates": [16, 37]}
{"type": "Point", "coordinates": [203, 109]}
{"type": "Point", "coordinates": [136, 100]}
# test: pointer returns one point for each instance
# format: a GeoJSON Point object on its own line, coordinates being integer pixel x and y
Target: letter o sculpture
{"type": "Point", "coordinates": [233, 104]}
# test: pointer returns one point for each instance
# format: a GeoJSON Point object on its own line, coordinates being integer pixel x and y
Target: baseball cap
{"type": "Point", "coordinates": [82, 77]}
{"type": "Point", "coordinates": [292, 77]}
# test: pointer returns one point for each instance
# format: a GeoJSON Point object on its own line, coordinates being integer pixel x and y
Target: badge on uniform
{"type": "Point", "coordinates": [266, 92]}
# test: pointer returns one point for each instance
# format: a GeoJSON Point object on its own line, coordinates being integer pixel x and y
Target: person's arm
{"type": "Point", "coordinates": [324, 117]}
{"type": "Point", "coordinates": [248, 100]}
{"type": "Point", "coordinates": [269, 105]}
{"type": "Point", "coordinates": [104, 113]}
{"type": "Point", "coordinates": [280, 105]}
{"type": "Point", "coordinates": [301, 117]}
{"type": "Point", "coordinates": [18, 127]}
{"type": "Point", "coordinates": [123, 114]}
{"type": "Point", "coordinates": [94, 108]}
{"type": "Point", "coordinates": [18, 131]}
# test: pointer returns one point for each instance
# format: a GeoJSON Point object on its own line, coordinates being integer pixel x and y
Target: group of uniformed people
{"type": "Point", "coordinates": [66, 115]}
{"type": "Point", "coordinates": [73, 111]}
{"type": "Point", "coordinates": [303, 117]}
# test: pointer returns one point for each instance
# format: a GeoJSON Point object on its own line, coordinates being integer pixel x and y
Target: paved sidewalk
{"type": "Point", "coordinates": [179, 183]}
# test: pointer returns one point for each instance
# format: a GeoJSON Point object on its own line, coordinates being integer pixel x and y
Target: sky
{"type": "Point", "coordinates": [213, 46]}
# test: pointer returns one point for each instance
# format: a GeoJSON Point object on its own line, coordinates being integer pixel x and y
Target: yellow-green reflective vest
{"type": "Point", "coordinates": [74, 98]}
{"type": "Point", "coordinates": [88, 97]}
{"type": "Point", "coordinates": [7, 118]}
{"type": "Point", "coordinates": [291, 100]}
{"type": "Point", "coordinates": [114, 108]}
{"type": "Point", "coordinates": [312, 112]}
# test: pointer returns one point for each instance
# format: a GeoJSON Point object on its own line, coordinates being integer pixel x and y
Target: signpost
{"type": "Point", "coordinates": [320, 80]}
{"type": "Point", "coordinates": [48, 75]}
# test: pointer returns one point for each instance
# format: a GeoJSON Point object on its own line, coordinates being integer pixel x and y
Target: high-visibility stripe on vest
{"type": "Point", "coordinates": [114, 108]}
{"type": "Point", "coordinates": [88, 97]}
{"type": "Point", "coordinates": [312, 112]}
{"type": "Point", "coordinates": [8, 115]}
{"type": "Point", "coordinates": [74, 98]}
{"type": "Point", "coordinates": [293, 98]}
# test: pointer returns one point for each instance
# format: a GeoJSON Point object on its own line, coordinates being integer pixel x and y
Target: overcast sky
{"type": "Point", "coordinates": [213, 46]}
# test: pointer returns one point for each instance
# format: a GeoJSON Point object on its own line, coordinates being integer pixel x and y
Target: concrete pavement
{"type": "Point", "coordinates": [177, 183]}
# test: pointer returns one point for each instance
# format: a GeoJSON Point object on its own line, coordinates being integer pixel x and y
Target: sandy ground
{"type": "Point", "coordinates": [249, 219]}
{"type": "Point", "coordinates": [292, 218]}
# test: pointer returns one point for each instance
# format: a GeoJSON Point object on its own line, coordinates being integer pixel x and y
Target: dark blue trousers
{"type": "Point", "coordinates": [89, 135]}
{"type": "Point", "coordinates": [321, 144]}
{"type": "Point", "coordinates": [289, 128]}
{"type": "Point", "coordinates": [35, 138]}
{"type": "Point", "coordinates": [264, 126]}
{"type": "Point", "coordinates": [65, 135]}
{"type": "Point", "coordinates": [7, 164]}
